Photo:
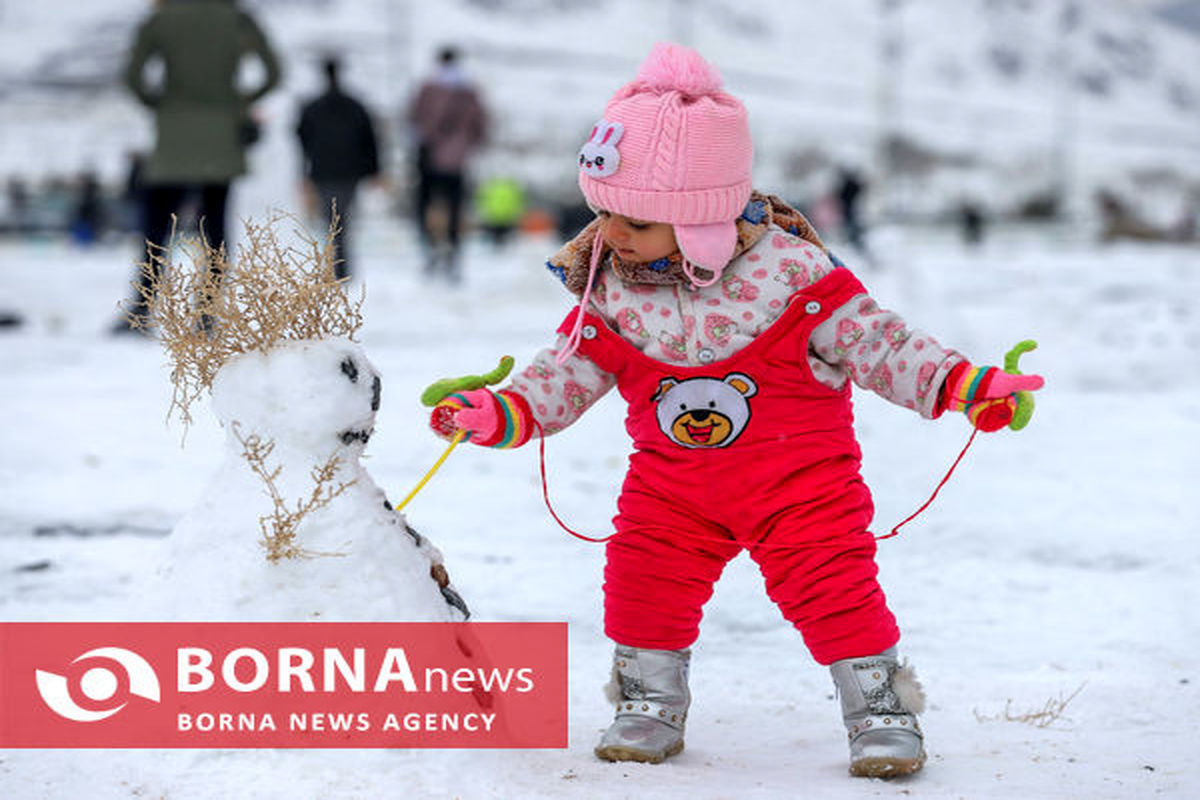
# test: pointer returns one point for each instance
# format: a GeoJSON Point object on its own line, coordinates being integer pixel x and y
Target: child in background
{"type": "Point", "coordinates": [734, 336]}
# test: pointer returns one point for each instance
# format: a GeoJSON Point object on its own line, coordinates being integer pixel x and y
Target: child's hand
{"type": "Point", "coordinates": [491, 419]}
{"type": "Point", "coordinates": [987, 395]}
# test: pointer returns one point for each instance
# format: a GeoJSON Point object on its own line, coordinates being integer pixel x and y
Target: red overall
{"type": "Point", "coordinates": [748, 452]}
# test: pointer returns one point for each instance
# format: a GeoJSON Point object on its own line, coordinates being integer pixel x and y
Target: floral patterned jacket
{"type": "Point", "coordinates": [679, 324]}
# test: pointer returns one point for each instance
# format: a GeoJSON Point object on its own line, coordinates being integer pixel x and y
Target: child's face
{"type": "Point", "coordinates": [636, 240]}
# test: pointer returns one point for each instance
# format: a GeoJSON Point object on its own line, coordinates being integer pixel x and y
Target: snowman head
{"type": "Point", "coordinates": [318, 396]}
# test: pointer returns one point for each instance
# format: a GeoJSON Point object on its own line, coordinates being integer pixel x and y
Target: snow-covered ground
{"type": "Point", "coordinates": [1060, 563]}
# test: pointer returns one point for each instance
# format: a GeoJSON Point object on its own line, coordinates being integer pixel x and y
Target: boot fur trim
{"type": "Point", "coordinates": [908, 689]}
{"type": "Point", "coordinates": [612, 689]}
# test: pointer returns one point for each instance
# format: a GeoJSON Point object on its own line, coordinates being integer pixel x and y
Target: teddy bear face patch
{"type": "Point", "coordinates": [704, 412]}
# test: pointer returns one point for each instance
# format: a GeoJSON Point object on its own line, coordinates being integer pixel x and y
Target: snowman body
{"type": "Point", "coordinates": [357, 559]}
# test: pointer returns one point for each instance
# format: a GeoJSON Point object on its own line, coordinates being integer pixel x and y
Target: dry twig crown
{"type": "Point", "coordinates": [208, 310]}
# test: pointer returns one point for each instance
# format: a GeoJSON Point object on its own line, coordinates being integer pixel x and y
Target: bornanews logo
{"type": "Point", "coordinates": [99, 684]}
{"type": "Point", "coordinates": [283, 685]}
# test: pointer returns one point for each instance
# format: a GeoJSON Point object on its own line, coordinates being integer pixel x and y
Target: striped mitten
{"type": "Point", "coordinates": [987, 395]}
{"type": "Point", "coordinates": [491, 419]}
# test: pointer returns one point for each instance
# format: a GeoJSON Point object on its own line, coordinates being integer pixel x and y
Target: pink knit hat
{"type": "Point", "coordinates": [673, 147]}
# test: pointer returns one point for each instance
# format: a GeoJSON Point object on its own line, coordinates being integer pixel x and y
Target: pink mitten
{"type": "Point", "coordinates": [1004, 384]}
{"type": "Point", "coordinates": [987, 395]}
{"type": "Point", "coordinates": [491, 419]}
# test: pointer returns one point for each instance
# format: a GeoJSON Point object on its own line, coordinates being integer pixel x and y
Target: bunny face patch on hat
{"type": "Point", "coordinates": [599, 156]}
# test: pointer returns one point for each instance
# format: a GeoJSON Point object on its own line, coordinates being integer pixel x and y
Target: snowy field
{"type": "Point", "coordinates": [1059, 566]}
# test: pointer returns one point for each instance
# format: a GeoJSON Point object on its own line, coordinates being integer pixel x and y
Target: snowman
{"type": "Point", "coordinates": [291, 527]}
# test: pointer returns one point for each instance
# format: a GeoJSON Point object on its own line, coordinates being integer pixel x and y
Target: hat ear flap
{"type": "Point", "coordinates": [709, 246]}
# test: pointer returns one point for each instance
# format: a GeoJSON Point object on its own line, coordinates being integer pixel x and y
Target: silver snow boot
{"type": "Point", "coordinates": [880, 700]}
{"type": "Point", "coordinates": [651, 693]}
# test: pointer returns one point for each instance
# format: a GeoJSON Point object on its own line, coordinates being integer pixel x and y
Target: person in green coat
{"type": "Point", "coordinates": [201, 116]}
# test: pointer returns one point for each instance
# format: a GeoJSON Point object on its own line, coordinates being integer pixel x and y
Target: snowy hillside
{"type": "Point", "coordinates": [994, 98]}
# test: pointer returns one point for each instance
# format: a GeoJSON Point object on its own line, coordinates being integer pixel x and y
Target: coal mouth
{"type": "Point", "coordinates": [351, 436]}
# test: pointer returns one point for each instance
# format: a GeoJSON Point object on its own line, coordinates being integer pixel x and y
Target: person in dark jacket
{"type": "Point", "coordinates": [87, 213]}
{"type": "Point", "coordinates": [340, 149]}
{"type": "Point", "coordinates": [202, 119]}
{"type": "Point", "coordinates": [849, 193]}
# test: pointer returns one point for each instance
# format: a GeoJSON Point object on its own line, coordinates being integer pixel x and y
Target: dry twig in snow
{"type": "Point", "coordinates": [280, 526]}
{"type": "Point", "coordinates": [1044, 717]}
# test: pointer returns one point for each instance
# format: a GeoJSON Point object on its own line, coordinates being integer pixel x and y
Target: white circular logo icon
{"type": "Point", "coordinates": [99, 684]}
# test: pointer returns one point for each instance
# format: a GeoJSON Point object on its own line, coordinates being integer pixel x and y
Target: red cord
{"type": "Point", "coordinates": [600, 540]}
{"type": "Point", "coordinates": [938, 488]}
{"type": "Point", "coordinates": [546, 490]}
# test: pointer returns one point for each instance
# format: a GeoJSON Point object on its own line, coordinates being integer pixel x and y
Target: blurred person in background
{"type": "Point", "coordinates": [16, 194]}
{"type": "Point", "coordinates": [850, 188]}
{"type": "Point", "coordinates": [972, 222]}
{"type": "Point", "coordinates": [87, 214]}
{"type": "Point", "coordinates": [450, 124]}
{"type": "Point", "coordinates": [499, 206]}
{"type": "Point", "coordinates": [202, 119]}
{"type": "Point", "coordinates": [340, 149]}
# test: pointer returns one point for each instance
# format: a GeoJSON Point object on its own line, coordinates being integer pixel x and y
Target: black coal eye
{"type": "Point", "coordinates": [350, 369]}
{"type": "Point", "coordinates": [599, 161]}
{"type": "Point", "coordinates": [376, 391]}
{"type": "Point", "coordinates": [712, 403]}
{"type": "Point", "coordinates": [581, 158]}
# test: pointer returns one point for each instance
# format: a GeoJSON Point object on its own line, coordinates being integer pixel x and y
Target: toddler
{"type": "Point", "coordinates": [734, 336]}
